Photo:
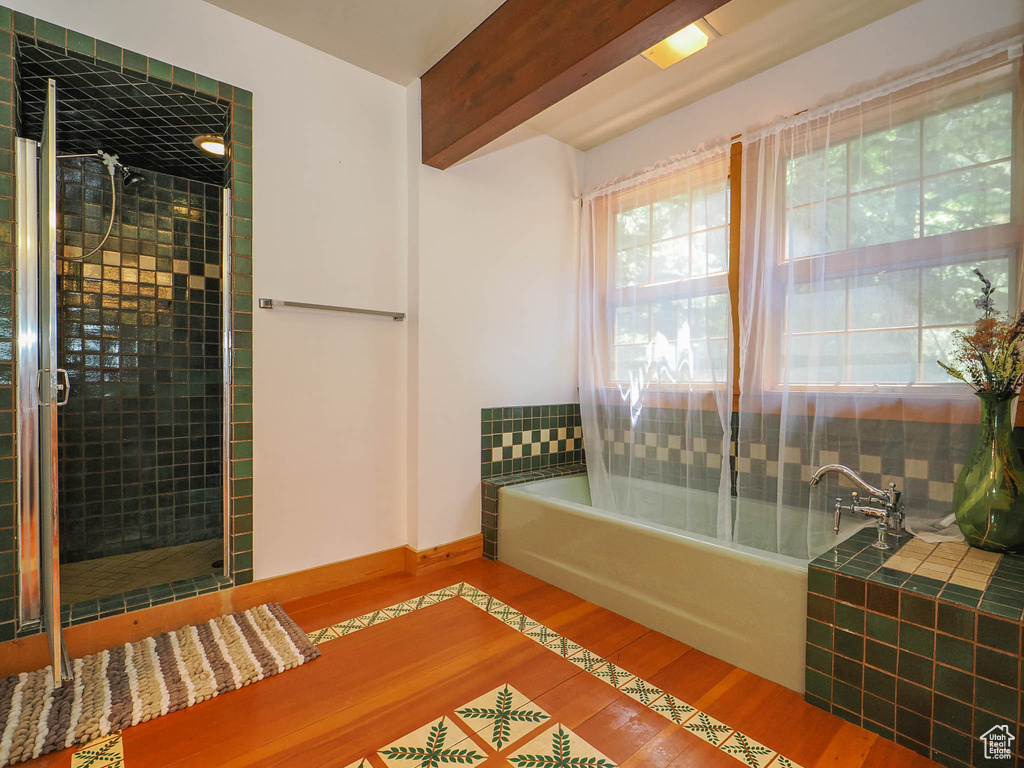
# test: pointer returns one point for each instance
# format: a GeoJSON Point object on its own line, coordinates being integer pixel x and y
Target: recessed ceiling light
{"type": "Point", "coordinates": [686, 42]}
{"type": "Point", "coordinates": [210, 142]}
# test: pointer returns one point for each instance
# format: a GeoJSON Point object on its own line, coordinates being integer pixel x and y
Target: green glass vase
{"type": "Point", "coordinates": [989, 494]}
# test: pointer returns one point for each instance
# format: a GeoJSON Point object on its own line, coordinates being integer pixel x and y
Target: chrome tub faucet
{"type": "Point", "coordinates": [885, 506]}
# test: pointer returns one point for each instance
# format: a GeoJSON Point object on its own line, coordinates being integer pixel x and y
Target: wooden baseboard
{"type": "Point", "coordinates": [33, 652]}
{"type": "Point", "coordinates": [444, 555]}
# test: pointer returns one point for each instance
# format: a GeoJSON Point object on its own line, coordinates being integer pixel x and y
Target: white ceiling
{"type": "Point", "coordinates": [402, 39]}
{"type": "Point", "coordinates": [396, 39]}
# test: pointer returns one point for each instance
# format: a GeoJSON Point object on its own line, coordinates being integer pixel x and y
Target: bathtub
{"type": "Point", "coordinates": [743, 605]}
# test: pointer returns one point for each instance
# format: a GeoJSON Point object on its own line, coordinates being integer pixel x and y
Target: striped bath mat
{"type": "Point", "coordinates": [136, 682]}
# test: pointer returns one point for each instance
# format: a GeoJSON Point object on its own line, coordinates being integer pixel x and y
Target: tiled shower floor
{"type": "Point", "coordinates": [91, 579]}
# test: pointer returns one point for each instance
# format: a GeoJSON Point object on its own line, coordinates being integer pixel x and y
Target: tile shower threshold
{"type": "Point", "coordinates": [138, 599]}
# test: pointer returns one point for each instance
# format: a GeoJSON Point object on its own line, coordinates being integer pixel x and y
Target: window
{"type": "Point", "coordinates": [882, 233]}
{"type": "Point", "coordinates": [669, 310]}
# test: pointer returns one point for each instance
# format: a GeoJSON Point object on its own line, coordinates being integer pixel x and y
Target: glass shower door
{"type": "Point", "coordinates": [53, 388]}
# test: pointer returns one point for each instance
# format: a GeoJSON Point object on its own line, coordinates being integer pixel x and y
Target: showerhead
{"type": "Point", "coordinates": [130, 178]}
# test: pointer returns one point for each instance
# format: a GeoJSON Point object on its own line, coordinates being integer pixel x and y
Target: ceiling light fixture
{"type": "Point", "coordinates": [210, 142]}
{"type": "Point", "coordinates": [686, 42]}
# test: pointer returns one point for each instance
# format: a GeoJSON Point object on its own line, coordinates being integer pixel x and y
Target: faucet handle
{"type": "Point", "coordinates": [839, 513]}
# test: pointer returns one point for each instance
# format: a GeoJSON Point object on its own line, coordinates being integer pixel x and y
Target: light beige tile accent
{"type": "Point", "coordinates": [871, 464]}
{"type": "Point", "coordinates": [902, 564]}
{"type": "Point", "coordinates": [940, 491]}
{"type": "Point", "coordinates": [916, 468]}
{"type": "Point", "coordinates": [978, 566]}
{"type": "Point", "coordinates": [758, 451]}
{"type": "Point", "coordinates": [967, 579]}
{"type": "Point", "coordinates": [828, 457]}
{"type": "Point", "coordinates": [940, 572]}
{"type": "Point", "coordinates": [980, 555]}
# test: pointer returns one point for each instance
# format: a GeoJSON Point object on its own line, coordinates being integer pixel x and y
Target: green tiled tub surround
{"type": "Point", "coordinates": [523, 443]}
{"type": "Point", "coordinates": [924, 662]}
{"type": "Point", "coordinates": [139, 333]}
{"type": "Point", "coordinates": [238, 176]}
{"type": "Point", "coordinates": [923, 458]}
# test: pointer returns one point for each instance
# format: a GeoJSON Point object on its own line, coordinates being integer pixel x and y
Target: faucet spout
{"type": "Point", "coordinates": [883, 505]}
{"type": "Point", "coordinates": [850, 475]}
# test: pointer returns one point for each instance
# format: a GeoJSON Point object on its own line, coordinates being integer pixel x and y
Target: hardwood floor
{"type": "Point", "coordinates": [385, 681]}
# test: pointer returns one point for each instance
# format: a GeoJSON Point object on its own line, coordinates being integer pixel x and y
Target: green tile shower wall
{"type": "Point", "coordinates": [139, 334]}
{"type": "Point", "coordinates": [928, 664]}
{"type": "Point", "coordinates": [523, 443]}
{"type": "Point", "coordinates": [238, 176]}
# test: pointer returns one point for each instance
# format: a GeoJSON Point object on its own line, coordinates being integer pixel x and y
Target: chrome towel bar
{"type": "Point", "coordinates": [274, 303]}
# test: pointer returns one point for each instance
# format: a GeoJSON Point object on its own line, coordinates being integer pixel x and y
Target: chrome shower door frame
{"type": "Point", "coordinates": [27, 373]}
{"type": "Point", "coordinates": [227, 416]}
{"type": "Point", "coordinates": [38, 391]}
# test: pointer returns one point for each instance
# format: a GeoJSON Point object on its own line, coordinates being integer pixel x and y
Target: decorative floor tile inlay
{"type": "Point", "coordinates": [641, 690]}
{"type": "Point", "coordinates": [675, 710]}
{"type": "Point", "coordinates": [107, 752]}
{"type": "Point", "coordinates": [506, 716]}
{"type": "Point", "coordinates": [322, 635]}
{"type": "Point", "coordinates": [712, 731]}
{"type": "Point", "coordinates": [558, 747]}
{"type": "Point", "coordinates": [437, 743]}
{"type": "Point", "coordinates": [749, 751]}
{"type": "Point", "coordinates": [503, 715]}
{"type": "Point", "coordinates": [612, 674]}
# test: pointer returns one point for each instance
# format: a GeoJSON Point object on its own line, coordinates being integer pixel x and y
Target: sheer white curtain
{"type": "Point", "coordinates": [863, 222]}
{"type": "Point", "coordinates": [656, 344]}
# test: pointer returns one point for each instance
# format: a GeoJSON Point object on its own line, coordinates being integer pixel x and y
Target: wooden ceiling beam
{"type": "Point", "coordinates": [530, 54]}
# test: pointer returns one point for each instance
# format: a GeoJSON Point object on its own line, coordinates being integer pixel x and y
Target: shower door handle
{"type": "Point", "coordinates": [63, 387]}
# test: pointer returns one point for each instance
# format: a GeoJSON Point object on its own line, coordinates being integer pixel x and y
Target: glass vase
{"type": "Point", "coordinates": [989, 496]}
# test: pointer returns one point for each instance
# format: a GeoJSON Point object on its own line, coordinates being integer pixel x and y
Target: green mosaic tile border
{"type": "Point", "coordinates": [523, 443]}
{"type": "Point", "coordinates": [529, 437]}
{"type": "Point", "coordinates": [138, 599]}
{"type": "Point", "coordinates": [239, 177]}
{"type": "Point", "coordinates": [905, 656]}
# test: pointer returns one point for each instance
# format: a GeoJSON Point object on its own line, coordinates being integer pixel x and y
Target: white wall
{"type": "Point", "coordinates": [909, 37]}
{"type": "Point", "coordinates": [330, 226]}
{"type": "Point", "coordinates": [497, 312]}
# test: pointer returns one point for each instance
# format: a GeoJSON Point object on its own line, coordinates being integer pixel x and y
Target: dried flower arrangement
{"type": "Point", "coordinates": [991, 357]}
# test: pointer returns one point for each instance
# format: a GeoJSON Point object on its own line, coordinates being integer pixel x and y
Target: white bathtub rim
{"type": "Point", "coordinates": [726, 548]}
